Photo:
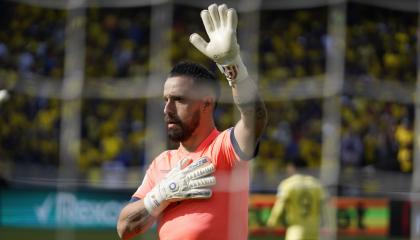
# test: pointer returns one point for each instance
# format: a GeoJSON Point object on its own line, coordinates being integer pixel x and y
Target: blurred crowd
{"type": "Point", "coordinates": [292, 45]}
{"type": "Point", "coordinates": [31, 40]}
{"type": "Point", "coordinates": [381, 45]}
{"type": "Point", "coordinates": [29, 129]}
{"type": "Point", "coordinates": [113, 131]}
{"type": "Point", "coordinates": [377, 133]}
{"type": "Point", "coordinates": [117, 43]}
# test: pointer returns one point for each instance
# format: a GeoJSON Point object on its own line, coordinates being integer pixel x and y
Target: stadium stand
{"type": "Point", "coordinates": [377, 130]}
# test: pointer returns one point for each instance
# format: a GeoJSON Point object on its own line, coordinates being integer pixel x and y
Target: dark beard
{"type": "Point", "coordinates": [183, 131]}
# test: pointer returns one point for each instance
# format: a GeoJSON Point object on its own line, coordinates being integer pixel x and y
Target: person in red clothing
{"type": "Point", "coordinates": [200, 190]}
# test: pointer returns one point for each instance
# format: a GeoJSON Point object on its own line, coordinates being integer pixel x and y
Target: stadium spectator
{"type": "Point", "coordinates": [191, 93]}
{"type": "Point", "coordinates": [404, 137]}
{"type": "Point", "coordinates": [351, 149]}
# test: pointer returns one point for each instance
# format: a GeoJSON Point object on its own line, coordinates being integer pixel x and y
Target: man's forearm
{"type": "Point", "coordinates": [192, 180]}
{"type": "Point", "coordinates": [253, 115]}
{"type": "Point", "coordinates": [250, 104]}
{"type": "Point", "coordinates": [134, 219]}
{"type": "Point", "coordinates": [221, 23]}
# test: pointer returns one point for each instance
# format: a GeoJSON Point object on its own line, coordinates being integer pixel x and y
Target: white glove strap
{"type": "Point", "coordinates": [153, 202]}
{"type": "Point", "coordinates": [235, 71]}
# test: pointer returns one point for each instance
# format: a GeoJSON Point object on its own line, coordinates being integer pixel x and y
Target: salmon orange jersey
{"type": "Point", "coordinates": [225, 214]}
{"type": "Point", "coordinates": [299, 203]}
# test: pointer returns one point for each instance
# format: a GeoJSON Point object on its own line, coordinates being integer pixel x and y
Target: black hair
{"type": "Point", "coordinates": [297, 163]}
{"type": "Point", "coordinates": [200, 74]}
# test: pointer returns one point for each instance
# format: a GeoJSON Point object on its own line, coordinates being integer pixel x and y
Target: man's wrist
{"type": "Point", "coordinates": [234, 71]}
{"type": "Point", "coordinates": [150, 203]}
{"type": "Point", "coordinates": [153, 202]}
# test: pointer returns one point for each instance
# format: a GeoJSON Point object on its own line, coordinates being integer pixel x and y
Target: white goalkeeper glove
{"type": "Point", "coordinates": [187, 180]}
{"type": "Point", "coordinates": [220, 24]}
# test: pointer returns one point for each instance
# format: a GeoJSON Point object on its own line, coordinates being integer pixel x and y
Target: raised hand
{"type": "Point", "coordinates": [220, 24]}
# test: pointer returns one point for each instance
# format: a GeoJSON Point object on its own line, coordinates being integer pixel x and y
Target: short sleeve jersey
{"type": "Point", "coordinates": [225, 214]}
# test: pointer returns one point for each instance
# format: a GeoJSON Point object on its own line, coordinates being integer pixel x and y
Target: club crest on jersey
{"type": "Point", "coordinates": [230, 71]}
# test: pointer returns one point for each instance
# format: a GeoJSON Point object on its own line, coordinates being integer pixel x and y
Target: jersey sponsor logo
{"type": "Point", "coordinates": [198, 163]}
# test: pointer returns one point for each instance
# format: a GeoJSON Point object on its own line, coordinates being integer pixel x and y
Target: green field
{"type": "Point", "coordinates": [42, 234]}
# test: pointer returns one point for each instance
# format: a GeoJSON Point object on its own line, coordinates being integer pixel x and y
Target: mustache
{"type": "Point", "coordinates": [172, 119]}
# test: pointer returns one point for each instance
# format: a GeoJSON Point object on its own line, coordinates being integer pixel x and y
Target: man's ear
{"type": "Point", "coordinates": [207, 101]}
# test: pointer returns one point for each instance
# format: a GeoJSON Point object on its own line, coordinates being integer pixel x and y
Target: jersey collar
{"type": "Point", "coordinates": [214, 133]}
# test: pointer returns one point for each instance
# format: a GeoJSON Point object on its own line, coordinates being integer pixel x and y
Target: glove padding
{"type": "Point", "coordinates": [220, 24]}
{"type": "Point", "coordinates": [187, 180]}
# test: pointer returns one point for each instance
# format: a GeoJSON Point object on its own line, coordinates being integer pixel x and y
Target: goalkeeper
{"type": "Point", "coordinates": [200, 190]}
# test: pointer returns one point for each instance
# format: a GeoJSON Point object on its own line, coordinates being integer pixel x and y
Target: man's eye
{"type": "Point", "coordinates": [178, 99]}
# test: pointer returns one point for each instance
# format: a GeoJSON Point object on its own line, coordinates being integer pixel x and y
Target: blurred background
{"type": "Point", "coordinates": [81, 108]}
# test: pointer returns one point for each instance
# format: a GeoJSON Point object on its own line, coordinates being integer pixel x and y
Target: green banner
{"type": "Point", "coordinates": [52, 209]}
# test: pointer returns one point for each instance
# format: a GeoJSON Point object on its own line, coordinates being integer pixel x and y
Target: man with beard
{"type": "Point", "coordinates": [179, 189]}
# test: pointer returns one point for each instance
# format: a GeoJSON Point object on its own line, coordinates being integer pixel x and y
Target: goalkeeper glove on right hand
{"type": "Point", "coordinates": [187, 180]}
{"type": "Point", "coordinates": [220, 24]}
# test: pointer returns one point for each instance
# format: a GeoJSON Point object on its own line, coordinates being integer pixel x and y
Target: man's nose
{"type": "Point", "coordinates": [168, 107]}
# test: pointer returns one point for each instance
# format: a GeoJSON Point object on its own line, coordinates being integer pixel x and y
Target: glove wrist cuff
{"type": "Point", "coordinates": [153, 203]}
{"type": "Point", "coordinates": [234, 71]}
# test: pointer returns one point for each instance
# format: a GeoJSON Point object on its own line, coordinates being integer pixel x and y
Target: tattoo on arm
{"type": "Point", "coordinates": [140, 219]}
{"type": "Point", "coordinates": [255, 107]}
